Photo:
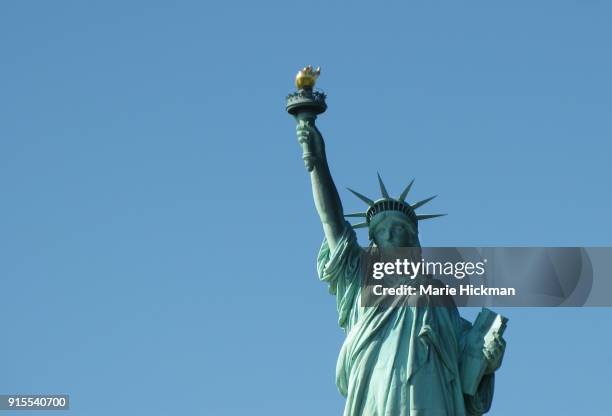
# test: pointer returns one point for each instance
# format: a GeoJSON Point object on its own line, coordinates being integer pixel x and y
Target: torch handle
{"type": "Point", "coordinates": [309, 154]}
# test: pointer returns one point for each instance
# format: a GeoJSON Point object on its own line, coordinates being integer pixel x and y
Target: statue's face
{"type": "Point", "coordinates": [394, 231]}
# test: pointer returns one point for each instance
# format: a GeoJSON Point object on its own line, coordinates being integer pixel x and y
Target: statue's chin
{"type": "Point", "coordinates": [391, 245]}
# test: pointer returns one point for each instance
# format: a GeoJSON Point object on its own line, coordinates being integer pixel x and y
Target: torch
{"type": "Point", "coordinates": [306, 103]}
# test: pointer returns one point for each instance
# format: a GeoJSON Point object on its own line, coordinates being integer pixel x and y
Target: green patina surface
{"type": "Point", "coordinates": [404, 361]}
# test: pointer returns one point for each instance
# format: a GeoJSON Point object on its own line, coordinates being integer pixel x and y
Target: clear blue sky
{"type": "Point", "coordinates": [157, 233]}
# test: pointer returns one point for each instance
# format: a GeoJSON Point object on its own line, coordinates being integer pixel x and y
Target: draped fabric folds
{"type": "Point", "coordinates": [401, 361]}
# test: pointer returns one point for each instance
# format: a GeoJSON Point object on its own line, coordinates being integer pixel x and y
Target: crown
{"type": "Point", "coordinates": [386, 203]}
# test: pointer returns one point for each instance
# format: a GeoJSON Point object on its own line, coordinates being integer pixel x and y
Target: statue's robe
{"type": "Point", "coordinates": [398, 361]}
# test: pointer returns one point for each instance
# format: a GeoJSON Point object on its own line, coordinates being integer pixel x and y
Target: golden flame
{"type": "Point", "coordinates": [307, 77]}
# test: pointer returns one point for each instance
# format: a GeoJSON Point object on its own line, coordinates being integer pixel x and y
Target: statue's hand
{"type": "Point", "coordinates": [494, 353]}
{"type": "Point", "coordinates": [312, 143]}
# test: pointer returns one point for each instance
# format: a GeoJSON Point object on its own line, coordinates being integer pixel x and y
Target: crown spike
{"type": "Point", "coordinates": [360, 225]}
{"type": "Point", "coordinates": [423, 202]}
{"type": "Point", "coordinates": [383, 190]}
{"type": "Point", "coordinates": [428, 216]}
{"type": "Point", "coordinates": [356, 214]}
{"type": "Point", "coordinates": [402, 197]}
{"type": "Point", "coordinates": [362, 197]}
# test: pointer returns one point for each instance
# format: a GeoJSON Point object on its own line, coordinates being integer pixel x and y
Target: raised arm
{"type": "Point", "coordinates": [326, 198]}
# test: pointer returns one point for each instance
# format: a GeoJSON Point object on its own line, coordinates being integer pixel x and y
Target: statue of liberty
{"type": "Point", "coordinates": [395, 361]}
